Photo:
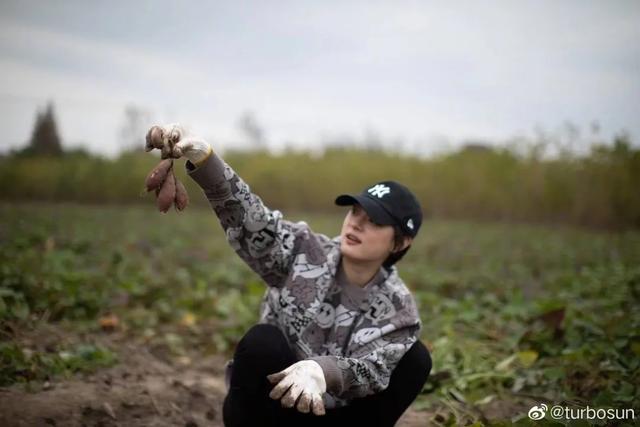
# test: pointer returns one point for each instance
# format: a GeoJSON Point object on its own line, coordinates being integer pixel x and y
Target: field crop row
{"type": "Point", "coordinates": [508, 310]}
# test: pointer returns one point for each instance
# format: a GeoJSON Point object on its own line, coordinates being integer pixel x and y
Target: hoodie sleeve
{"type": "Point", "coordinates": [260, 236]}
{"type": "Point", "coordinates": [376, 344]}
{"type": "Point", "coordinates": [369, 368]}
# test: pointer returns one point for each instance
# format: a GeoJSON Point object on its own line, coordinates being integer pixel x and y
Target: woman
{"type": "Point", "coordinates": [337, 341]}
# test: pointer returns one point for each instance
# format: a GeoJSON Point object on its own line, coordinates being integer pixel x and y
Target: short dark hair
{"type": "Point", "coordinates": [398, 240]}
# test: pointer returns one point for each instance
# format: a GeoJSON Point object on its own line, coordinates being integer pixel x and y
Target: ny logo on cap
{"type": "Point", "coordinates": [379, 190]}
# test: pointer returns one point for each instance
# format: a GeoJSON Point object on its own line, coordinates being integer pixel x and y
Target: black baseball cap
{"type": "Point", "coordinates": [388, 203]}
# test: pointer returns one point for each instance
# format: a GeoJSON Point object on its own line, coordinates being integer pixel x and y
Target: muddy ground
{"type": "Point", "coordinates": [146, 388]}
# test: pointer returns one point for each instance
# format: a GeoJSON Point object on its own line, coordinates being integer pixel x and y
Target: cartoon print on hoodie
{"type": "Point", "coordinates": [357, 342]}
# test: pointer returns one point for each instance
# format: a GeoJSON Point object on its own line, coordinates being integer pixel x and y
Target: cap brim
{"type": "Point", "coordinates": [375, 211]}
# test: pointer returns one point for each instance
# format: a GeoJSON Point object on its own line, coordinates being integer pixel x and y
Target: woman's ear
{"type": "Point", "coordinates": [405, 244]}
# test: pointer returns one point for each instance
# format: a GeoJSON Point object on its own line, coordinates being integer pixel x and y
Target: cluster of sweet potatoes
{"type": "Point", "coordinates": [162, 179]}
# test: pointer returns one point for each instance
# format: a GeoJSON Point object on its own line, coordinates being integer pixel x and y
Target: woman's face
{"type": "Point", "coordinates": [364, 241]}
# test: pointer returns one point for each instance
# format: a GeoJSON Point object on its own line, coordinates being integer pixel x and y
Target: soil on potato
{"type": "Point", "coordinates": [146, 388]}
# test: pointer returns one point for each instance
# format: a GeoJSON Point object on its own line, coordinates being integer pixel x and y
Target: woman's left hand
{"type": "Point", "coordinates": [303, 380]}
{"type": "Point", "coordinates": [175, 141]}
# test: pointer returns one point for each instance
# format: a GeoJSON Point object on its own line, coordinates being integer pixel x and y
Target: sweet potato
{"type": "Point", "coordinates": [158, 175]}
{"type": "Point", "coordinates": [167, 193]}
{"type": "Point", "coordinates": [182, 198]}
{"type": "Point", "coordinates": [169, 190]}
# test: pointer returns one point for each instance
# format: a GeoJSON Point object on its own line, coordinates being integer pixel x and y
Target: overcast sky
{"type": "Point", "coordinates": [427, 73]}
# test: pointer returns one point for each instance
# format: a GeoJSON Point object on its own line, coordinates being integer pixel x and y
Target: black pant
{"type": "Point", "coordinates": [264, 350]}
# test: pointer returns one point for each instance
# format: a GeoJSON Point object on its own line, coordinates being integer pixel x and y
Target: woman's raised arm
{"type": "Point", "coordinates": [260, 236]}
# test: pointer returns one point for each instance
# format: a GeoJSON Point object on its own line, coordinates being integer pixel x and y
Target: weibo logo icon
{"type": "Point", "coordinates": [538, 412]}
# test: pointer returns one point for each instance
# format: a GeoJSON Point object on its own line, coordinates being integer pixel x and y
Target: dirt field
{"type": "Point", "coordinates": [144, 389]}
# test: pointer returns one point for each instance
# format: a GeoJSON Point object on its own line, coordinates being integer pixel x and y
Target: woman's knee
{"type": "Point", "coordinates": [406, 383]}
{"type": "Point", "coordinates": [262, 342]}
{"type": "Point", "coordinates": [421, 358]}
{"type": "Point", "coordinates": [260, 339]}
{"type": "Point", "coordinates": [416, 365]}
{"type": "Point", "coordinates": [263, 350]}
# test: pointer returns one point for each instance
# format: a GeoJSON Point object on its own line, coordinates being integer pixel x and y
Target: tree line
{"type": "Point", "coordinates": [596, 189]}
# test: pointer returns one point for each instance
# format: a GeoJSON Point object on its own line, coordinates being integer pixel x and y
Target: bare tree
{"type": "Point", "coordinates": [252, 130]}
{"type": "Point", "coordinates": [136, 122]}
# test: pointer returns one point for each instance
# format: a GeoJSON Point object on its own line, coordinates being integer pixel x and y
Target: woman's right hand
{"type": "Point", "coordinates": [176, 141]}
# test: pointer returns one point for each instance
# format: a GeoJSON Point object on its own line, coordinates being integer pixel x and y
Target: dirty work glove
{"type": "Point", "coordinates": [304, 379]}
{"type": "Point", "coordinates": [176, 141]}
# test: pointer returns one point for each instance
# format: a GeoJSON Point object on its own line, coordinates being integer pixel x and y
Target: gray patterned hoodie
{"type": "Point", "coordinates": [357, 335]}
